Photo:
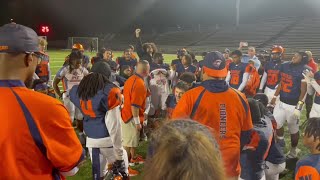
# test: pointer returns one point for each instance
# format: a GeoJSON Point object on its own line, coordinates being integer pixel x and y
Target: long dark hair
{"type": "Point", "coordinates": [312, 129]}
{"type": "Point", "coordinates": [74, 55]}
{"type": "Point", "coordinates": [152, 45]}
{"type": "Point", "coordinates": [91, 84]}
{"type": "Point", "coordinates": [95, 81]}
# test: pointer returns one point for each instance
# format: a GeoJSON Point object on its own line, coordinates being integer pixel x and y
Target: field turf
{"type": "Point", "coordinates": [56, 60]}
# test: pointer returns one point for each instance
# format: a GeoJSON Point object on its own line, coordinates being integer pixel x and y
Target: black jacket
{"type": "Point", "coordinates": [141, 53]}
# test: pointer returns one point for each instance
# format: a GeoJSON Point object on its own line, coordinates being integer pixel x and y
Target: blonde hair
{"type": "Point", "coordinates": [309, 53]}
{"type": "Point", "coordinates": [183, 150]}
{"type": "Point", "coordinates": [42, 41]}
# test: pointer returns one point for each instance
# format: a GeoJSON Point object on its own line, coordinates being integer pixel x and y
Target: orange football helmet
{"type": "Point", "coordinates": [277, 49]}
{"type": "Point", "coordinates": [78, 46]}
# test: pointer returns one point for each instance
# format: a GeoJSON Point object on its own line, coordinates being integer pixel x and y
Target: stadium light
{"type": "Point", "coordinates": [238, 12]}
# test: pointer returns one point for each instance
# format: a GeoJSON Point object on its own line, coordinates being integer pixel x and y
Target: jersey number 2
{"type": "Point", "coordinates": [286, 84]}
{"type": "Point", "coordinates": [86, 107]}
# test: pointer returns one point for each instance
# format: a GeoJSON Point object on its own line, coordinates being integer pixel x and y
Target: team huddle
{"type": "Point", "coordinates": [231, 104]}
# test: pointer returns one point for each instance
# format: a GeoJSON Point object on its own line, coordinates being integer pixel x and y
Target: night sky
{"type": "Point", "coordinates": [85, 17]}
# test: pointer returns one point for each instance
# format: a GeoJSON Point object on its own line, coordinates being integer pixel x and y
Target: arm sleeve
{"type": "Point", "coordinates": [244, 81]}
{"type": "Point", "coordinates": [263, 80]}
{"type": "Point", "coordinates": [183, 108]}
{"type": "Point", "coordinates": [148, 105]}
{"type": "Point", "coordinates": [140, 51]}
{"type": "Point", "coordinates": [64, 149]}
{"type": "Point", "coordinates": [228, 77]}
{"type": "Point", "coordinates": [49, 73]}
{"type": "Point", "coordinates": [310, 89]}
{"type": "Point", "coordinates": [315, 86]}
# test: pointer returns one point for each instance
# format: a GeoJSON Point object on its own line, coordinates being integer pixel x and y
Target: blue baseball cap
{"type": "Point", "coordinates": [214, 64]}
{"type": "Point", "coordinates": [16, 38]}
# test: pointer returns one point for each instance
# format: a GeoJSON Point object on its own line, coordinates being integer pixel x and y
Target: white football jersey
{"type": "Point", "coordinates": [73, 78]}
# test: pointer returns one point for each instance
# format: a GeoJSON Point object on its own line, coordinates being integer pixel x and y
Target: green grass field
{"type": "Point", "coordinates": [56, 61]}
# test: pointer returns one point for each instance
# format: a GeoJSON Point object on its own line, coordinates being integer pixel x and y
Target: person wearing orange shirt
{"type": "Point", "coordinates": [224, 109]}
{"type": "Point", "coordinates": [309, 167]}
{"type": "Point", "coordinates": [133, 113]}
{"type": "Point", "coordinates": [35, 142]}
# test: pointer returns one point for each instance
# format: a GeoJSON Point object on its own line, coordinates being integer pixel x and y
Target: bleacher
{"type": "Point", "coordinates": [303, 36]}
{"type": "Point", "coordinates": [254, 34]}
{"type": "Point", "coordinates": [294, 33]}
{"type": "Point", "coordinates": [180, 38]}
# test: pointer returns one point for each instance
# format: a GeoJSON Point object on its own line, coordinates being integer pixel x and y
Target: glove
{"type": "Point", "coordinates": [297, 110]}
{"type": "Point", "coordinates": [119, 166]}
{"type": "Point", "coordinates": [297, 113]}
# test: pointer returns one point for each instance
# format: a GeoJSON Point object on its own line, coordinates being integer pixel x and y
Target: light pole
{"type": "Point", "coordinates": [238, 12]}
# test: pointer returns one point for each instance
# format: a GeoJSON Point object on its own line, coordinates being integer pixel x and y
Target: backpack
{"type": "Point", "coordinates": [253, 82]}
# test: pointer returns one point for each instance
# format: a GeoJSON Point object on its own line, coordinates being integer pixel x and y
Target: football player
{"type": "Point", "coordinates": [253, 155]}
{"type": "Point", "coordinates": [275, 160]}
{"type": "Point", "coordinates": [126, 59]}
{"type": "Point", "coordinates": [85, 59]}
{"type": "Point", "coordinates": [238, 73]}
{"type": "Point", "coordinates": [309, 167]}
{"type": "Point", "coordinates": [180, 54]}
{"type": "Point", "coordinates": [292, 90]}
{"type": "Point", "coordinates": [271, 75]}
{"type": "Point", "coordinates": [71, 75]}
{"type": "Point", "coordinates": [99, 101]}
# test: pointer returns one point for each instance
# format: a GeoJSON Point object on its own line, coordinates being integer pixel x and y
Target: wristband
{"type": "Point", "coordinates": [136, 120]}
{"type": "Point", "coordinates": [300, 105]}
{"type": "Point", "coordinates": [275, 97]}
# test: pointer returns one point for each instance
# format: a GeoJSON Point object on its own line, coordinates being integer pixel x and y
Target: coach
{"type": "Point", "coordinates": [220, 107]}
{"type": "Point", "coordinates": [37, 140]}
